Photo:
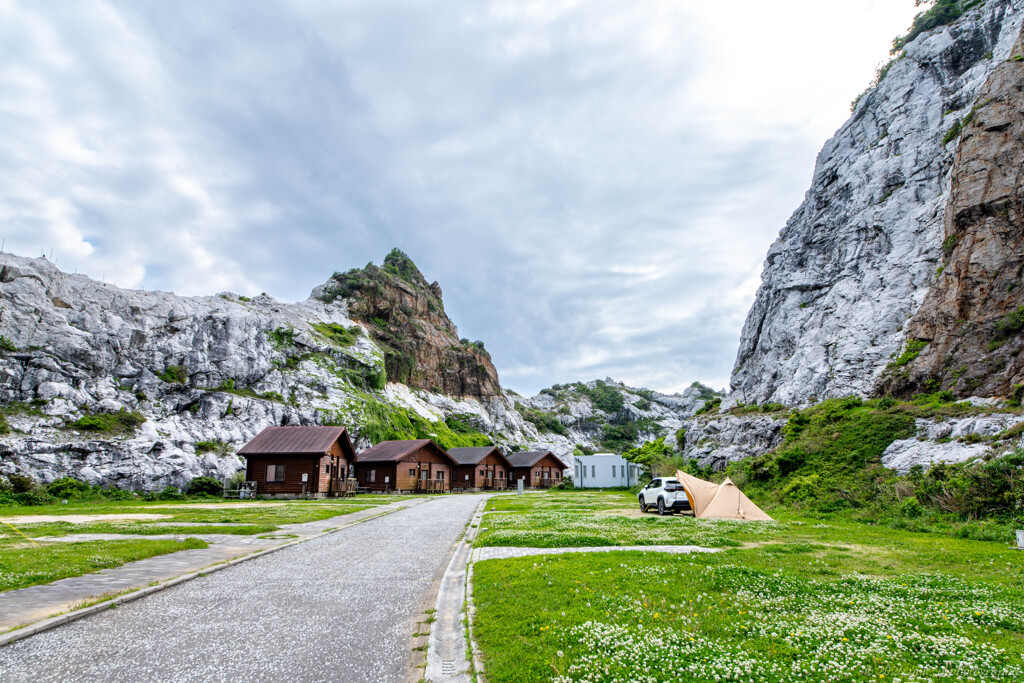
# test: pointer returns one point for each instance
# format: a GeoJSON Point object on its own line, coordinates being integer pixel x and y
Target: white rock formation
{"type": "Point", "coordinates": [722, 439]}
{"type": "Point", "coordinates": [855, 261]}
{"type": "Point", "coordinates": [85, 347]}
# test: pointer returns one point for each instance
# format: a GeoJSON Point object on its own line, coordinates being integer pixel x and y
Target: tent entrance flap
{"type": "Point", "coordinates": [719, 501]}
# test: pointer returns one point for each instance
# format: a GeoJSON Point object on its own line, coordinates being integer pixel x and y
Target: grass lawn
{"type": "Point", "coordinates": [813, 599]}
{"type": "Point", "coordinates": [22, 564]}
{"type": "Point", "coordinates": [576, 519]}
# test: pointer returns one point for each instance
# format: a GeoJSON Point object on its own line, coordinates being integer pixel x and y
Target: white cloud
{"type": "Point", "coordinates": [593, 183]}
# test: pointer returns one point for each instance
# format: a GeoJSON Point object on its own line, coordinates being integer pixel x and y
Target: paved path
{"type": "Point", "coordinates": [340, 607]}
{"type": "Point", "coordinates": [29, 605]}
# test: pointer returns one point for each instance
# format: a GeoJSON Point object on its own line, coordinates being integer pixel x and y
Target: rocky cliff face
{"type": "Point", "coordinates": [406, 318]}
{"type": "Point", "coordinates": [608, 416]}
{"type": "Point", "coordinates": [844, 284]}
{"type": "Point", "coordinates": [204, 373]}
{"type": "Point", "coordinates": [967, 328]}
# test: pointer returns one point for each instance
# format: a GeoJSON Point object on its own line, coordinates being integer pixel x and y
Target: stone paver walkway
{"type": "Point", "coordinates": [480, 554]}
{"type": "Point", "coordinates": [340, 607]}
{"type": "Point", "coordinates": [29, 605]}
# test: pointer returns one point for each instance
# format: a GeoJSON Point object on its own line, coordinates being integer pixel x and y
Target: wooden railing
{"type": "Point", "coordinates": [431, 485]}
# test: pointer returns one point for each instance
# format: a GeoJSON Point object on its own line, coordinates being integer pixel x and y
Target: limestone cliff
{"type": "Point", "coordinates": [406, 317]}
{"type": "Point", "coordinates": [965, 337]}
{"type": "Point", "coordinates": [845, 284]}
{"type": "Point", "coordinates": [202, 375]}
{"type": "Point", "coordinates": [608, 416]}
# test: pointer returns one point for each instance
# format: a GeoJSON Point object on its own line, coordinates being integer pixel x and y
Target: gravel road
{"type": "Point", "coordinates": [337, 608]}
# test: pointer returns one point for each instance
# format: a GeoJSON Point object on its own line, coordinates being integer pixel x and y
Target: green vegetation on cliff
{"type": "Point", "coordinates": [830, 461]}
{"type": "Point", "coordinates": [377, 421]}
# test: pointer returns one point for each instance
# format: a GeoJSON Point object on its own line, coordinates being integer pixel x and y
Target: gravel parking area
{"type": "Point", "coordinates": [341, 608]}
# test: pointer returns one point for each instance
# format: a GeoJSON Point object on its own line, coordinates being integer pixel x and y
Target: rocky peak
{"type": "Point", "coordinates": [405, 316]}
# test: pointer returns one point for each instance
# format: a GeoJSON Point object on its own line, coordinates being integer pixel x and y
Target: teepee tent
{"type": "Point", "coordinates": [700, 492]}
{"type": "Point", "coordinates": [719, 501]}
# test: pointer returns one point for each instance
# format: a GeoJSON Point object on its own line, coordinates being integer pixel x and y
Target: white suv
{"type": "Point", "coordinates": [666, 493]}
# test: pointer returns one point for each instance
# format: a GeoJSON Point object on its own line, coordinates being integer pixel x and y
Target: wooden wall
{"type": "Point", "coordinates": [492, 464]}
{"type": "Point", "coordinates": [404, 474]}
{"type": "Point", "coordinates": [319, 482]}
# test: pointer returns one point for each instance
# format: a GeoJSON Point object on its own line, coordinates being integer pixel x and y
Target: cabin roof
{"type": "Point", "coordinates": [393, 451]}
{"type": "Point", "coordinates": [294, 441]}
{"type": "Point", "coordinates": [530, 458]}
{"type": "Point", "coordinates": [473, 455]}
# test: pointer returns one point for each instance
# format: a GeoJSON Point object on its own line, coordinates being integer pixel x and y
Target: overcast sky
{"type": "Point", "coordinates": [594, 184]}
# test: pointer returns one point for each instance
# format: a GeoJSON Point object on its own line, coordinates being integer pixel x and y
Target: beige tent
{"type": "Point", "coordinates": [718, 501]}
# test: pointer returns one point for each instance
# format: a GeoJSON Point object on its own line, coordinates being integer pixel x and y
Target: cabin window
{"type": "Point", "coordinates": [327, 469]}
{"type": "Point", "coordinates": [412, 472]}
{"type": "Point", "coordinates": [371, 476]}
{"type": "Point", "coordinates": [501, 474]}
{"type": "Point", "coordinates": [483, 473]}
{"type": "Point", "coordinates": [440, 475]}
{"type": "Point", "coordinates": [556, 475]}
{"type": "Point", "coordinates": [275, 474]}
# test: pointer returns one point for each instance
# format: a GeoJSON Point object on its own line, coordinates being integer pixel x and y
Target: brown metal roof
{"type": "Point", "coordinates": [530, 458]}
{"type": "Point", "coordinates": [293, 441]}
{"type": "Point", "coordinates": [471, 456]}
{"type": "Point", "coordinates": [393, 451]}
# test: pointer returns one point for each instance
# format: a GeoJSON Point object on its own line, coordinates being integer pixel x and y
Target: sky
{"type": "Point", "coordinates": [594, 184]}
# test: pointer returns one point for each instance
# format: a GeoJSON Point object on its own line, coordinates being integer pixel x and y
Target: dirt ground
{"type": "Point", "coordinates": [81, 519]}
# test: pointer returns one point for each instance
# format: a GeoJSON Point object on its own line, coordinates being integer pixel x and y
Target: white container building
{"type": "Point", "coordinates": [605, 470]}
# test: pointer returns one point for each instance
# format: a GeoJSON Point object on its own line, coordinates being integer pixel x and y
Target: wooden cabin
{"type": "Point", "coordinates": [539, 469]}
{"type": "Point", "coordinates": [482, 467]}
{"type": "Point", "coordinates": [296, 461]}
{"type": "Point", "coordinates": [419, 465]}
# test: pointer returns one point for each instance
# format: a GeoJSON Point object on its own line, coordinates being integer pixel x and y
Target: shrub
{"type": "Point", "coordinates": [124, 422]}
{"type": "Point", "coordinates": [117, 494]}
{"type": "Point", "coordinates": [336, 334]}
{"type": "Point", "coordinates": [606, 398]}
{"type": "Point", "coordinates": [21, 483]}
{"type": "Point", "coordinates": [941, 13]}
{"type": "Point", "coordinates": [205, 486]}
{"type": "Point", "coordinates": [66, 487]}
{"type": "Point", "coordinates": [5, 426]}
{"type": "Point", "coordinates": [174, 374]}
{"type": "Point", "coordinates": [648, 454]}
{"type": "Point", "coordinates": [910, 507]}
{"type": "Point", "coordinates": [7, 345]}
{"type": "Point", "coordinates": [949, 245]}
{"type": "Point", "coordinates": [710, 405]}
{"type": "Point", "coordinates": [801, 489]}
{"type": "Point", "coordinates": [33, 498]}
{"type": "Point", "coordinates": [170, 493]}
{"type": "Point", "coordinates": [911, 350]}
{"type": "Point", "coordinates": [1011, 324]}
{"type": "Point", "coordinates": [282, 338]}
{"type": "Point", "coordinates": [219, 447]}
